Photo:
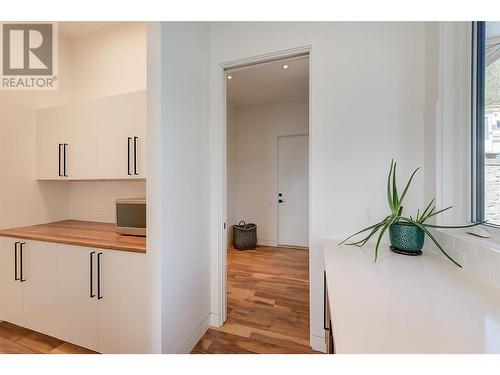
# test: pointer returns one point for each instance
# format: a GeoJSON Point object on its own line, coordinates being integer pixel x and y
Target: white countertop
{"type": "Point", "coordinates": [405, 304]}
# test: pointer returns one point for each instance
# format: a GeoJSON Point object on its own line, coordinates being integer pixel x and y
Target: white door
{"type": "Point", "coordinates": [124, 313]}
{"type": "Point", "coordinates": [40, 286]}
{"type": "Point", "coordinates": [293, 190]}
{"type": "Point", "coordinates": [11, 289]}
{"type": "Point", "coordinates": [77, 296]}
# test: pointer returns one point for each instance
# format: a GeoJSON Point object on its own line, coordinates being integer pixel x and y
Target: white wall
{"type": "Point", "coordinates": [367, 106]}
{"type": "Point", "coordinates": [109, 61]}
{"type": "Point", "coordinates": [23, 200]}
{"type": "Point", "coordinates": [253, 194]}
{"type": "Point", "coordinates": [185, 250]}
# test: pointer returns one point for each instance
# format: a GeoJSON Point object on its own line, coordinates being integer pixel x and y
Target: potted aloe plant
{"type": "Point", "coordinates": [406, 234]}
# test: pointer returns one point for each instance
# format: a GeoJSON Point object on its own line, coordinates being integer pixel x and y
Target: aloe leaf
{"type": "Point", "coordinates": [423, 227]}
{"type": "Point", "coordinates": [407, 186]}
{"type": "Point", "coordinates": [381, 235]}
{"type": "Point", "coordinates": [418, 213]}
{"type": "Point", "coordinates": [361, 231]}
{"type": "Point", "coordinates": [395, 199]}
{"type": "Point", "coordinates": [389, 194]}
{"type": "Point", "coordinates": [453, 226]}
{"type": "Point", "coordinates": [427, 208]}
{"type": "Point", "coordinates": [434, 214]}
{"type": "Point", "coordinates": [363, 241]}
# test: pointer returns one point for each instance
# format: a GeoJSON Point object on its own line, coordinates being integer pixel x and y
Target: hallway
{"type": "Point", "coordinates": [268, 304]}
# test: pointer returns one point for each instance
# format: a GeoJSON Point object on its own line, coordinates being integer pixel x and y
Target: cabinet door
{"type": "Point", "coordinates": [52, 129]}
{"type": "Point", "coordinates": [139, 127]}
{"type": "Point", "coordinates": [11, 290]}
{"type": "Point", "coordinates": [78, 310]}
{"type": "Point", "coordinates": [118, 118]}
{"type": "Point", "coordinates": [82, 159]}
{"type": "Point", "coordinates": [124, 309]}
{"type": "Point", "coordinates": [40, 286]}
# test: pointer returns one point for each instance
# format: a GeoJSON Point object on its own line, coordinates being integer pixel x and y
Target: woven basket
{"type": "Point", "coordinates": [245, 236]}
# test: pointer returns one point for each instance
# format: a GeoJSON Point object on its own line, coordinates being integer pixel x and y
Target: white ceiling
{"type": "Point", "coordinates": [269, 83]}
{"type": "Point", "coordinates": [78, 29]}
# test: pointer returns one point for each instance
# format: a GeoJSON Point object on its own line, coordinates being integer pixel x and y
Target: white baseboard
{"type": "Point", "coordinates": [195, 337]}
{"type": "Point", "coordinates": [318, 343]}
{"type": "Point", "coordinates": [267, 243]}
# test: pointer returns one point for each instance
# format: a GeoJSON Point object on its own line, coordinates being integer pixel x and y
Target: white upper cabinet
{"type": "Point", "coordinates": [122, 130]}
{"type": "Point", "coordinates": [53, 135]}
{"type": "Point", "coordinates": [99, 139]}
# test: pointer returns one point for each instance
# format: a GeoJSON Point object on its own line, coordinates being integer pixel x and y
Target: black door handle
{"type": "Point", "coordinates": [60, 173]}
{"type": "Point", "coordinates": [65, 145]}
{"type": "Point", "coordinates": [135, 155]}
{"type": "Point", "coordinates": [92, 295]}
{"type": "Point", "coordinates": [281, 201]}
{"type": "Point", "coordinates": [129, 139]}
{"type": "Point", "coordinates": [325, 325]}
{"type": "Point", "coordinates": [21, 261]}
{"type": "Point", "coordinates": [99, 295]}
{"type": "Point", "coordinates": [16, 278]}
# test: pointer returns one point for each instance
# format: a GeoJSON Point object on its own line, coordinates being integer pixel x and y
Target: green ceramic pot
{"type": "Point", "coordinates": [406, 237]}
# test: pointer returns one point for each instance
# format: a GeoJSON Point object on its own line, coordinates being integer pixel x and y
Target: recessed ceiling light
{"type": "Point", "coordinates": [285, 66]}
{"type": "Point", "coordinates": [229, 77]}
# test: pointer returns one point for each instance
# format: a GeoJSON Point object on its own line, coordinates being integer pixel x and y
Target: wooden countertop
{"type": "Point", "coordinates": [79, 233]}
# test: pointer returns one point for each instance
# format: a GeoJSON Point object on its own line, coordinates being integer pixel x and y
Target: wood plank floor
{"type": "Point", "coordinates": [268, 304]}
{"type": "Point", "coordinates": [18, 340]}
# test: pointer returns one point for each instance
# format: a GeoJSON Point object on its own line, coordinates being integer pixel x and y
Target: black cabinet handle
{"type": "Point", "coordinates": [65, 145]}
{"type": "Point", "coordinates": [99, 295]}
{"type": "Point", "coordinates": [135, 155]}
{"type": "Point", "coordinates": [60, 172]}
{"type": "Point", "coordinates": [325, 325]}
{"type": "Point", "coordinates": [21, 261]}
{"type": "Point", "coordinates": [16, 278]}
{"type": "Point", "coordinates": [129, 139]}
{"type": "Point", "coordinates": [92, 295]}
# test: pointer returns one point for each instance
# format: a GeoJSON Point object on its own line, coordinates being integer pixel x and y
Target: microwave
{"type": "Point", "coordinates": [131, 216]}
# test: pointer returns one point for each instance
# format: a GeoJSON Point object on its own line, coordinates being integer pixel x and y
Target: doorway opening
{"type": "Point", "coordinates": [267, 183]}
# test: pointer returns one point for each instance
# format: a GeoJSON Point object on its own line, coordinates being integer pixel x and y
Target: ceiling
{"type": "Point", "coordinates": [78, 29]}
{"type": "Point", "coordinates": [269, 83]}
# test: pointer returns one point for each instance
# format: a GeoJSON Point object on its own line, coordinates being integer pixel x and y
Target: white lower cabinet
{"type": "Point", "coordinates": [78, 308]}
{"type": "Point", "coordinates": [11, 289]}
{"type": "Point", "coordinates": [39, 281]}
{"type": "Point", "coordinates": [94, 298]}
{"type": "Point", "coordinates": [123, 314]}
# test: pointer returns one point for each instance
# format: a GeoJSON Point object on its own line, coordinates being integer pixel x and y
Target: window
{"type": "Point", "coordinates": [486, 122]}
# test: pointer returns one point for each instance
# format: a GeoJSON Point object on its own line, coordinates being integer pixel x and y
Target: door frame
{"type": "Point", "coordinates": [219, 265]}
{"type": "Point", "coordinates": [278, 185]}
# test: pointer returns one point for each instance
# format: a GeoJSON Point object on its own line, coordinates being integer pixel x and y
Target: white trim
{"type": "Point", "coordinates": [191, 342]}
{"type": "Point", "coordinates": [219, 269]}
{"type": "Point", "coordinates": [214, 320]}
{"type": "Point", "coordinates": [267, 243]}
{"type": "Point", "coordinates": [318, 343]}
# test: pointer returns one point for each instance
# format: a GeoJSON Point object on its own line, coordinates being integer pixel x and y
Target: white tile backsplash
{"type": "Point", "coordinates": [95, 200]}
{"type": "Point", "coordinates": [478, 256]}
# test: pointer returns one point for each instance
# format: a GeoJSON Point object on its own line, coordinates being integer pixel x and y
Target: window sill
{"type": "Point", "coordinates": [480, 256]}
